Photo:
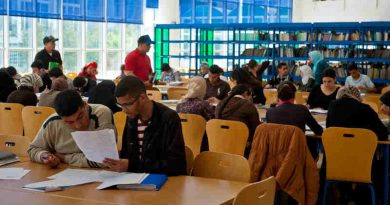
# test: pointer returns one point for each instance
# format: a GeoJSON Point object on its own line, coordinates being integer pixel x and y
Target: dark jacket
{"type": "Point", "coordinates": [308, 86]}
{"type": "Point", "coordinates": [163, 144]}
{"type": "Point", "coordinates": [7, 86]}
{"type": "Point", "coordinates": [291, 114]}
{"type": "Point", "coordinates": [276, 80]}
{"type": "Point", "coordinates": [220, 90]}
{"type": "Point", "coordinates": [46, 58]}
{"type": "Point", "coordinates": [348, 112]}
{"type": "Point", "coordinates": [317, 99]}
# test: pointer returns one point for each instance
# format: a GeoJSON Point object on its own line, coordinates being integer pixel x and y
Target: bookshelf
{"type": "Point", "coordinates": [366, 43]}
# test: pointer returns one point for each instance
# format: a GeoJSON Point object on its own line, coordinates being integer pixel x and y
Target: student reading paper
{"type": "Point", "coordinates": [152, 139]}
{"type": "Point", "coordinates": [54, 143]}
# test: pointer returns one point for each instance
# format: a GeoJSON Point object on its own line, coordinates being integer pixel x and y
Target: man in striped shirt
{"type": "Point", "coordinates": [152, 140]}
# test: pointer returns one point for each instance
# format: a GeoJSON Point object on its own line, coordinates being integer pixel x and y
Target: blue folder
{"type": "Point", "coordinates": [153, 182]}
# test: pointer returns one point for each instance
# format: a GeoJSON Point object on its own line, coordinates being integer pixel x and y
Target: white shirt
{"type": "Point", "coordinates": [363, 80]}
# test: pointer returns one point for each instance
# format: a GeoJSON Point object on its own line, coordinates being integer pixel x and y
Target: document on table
{"type": "Point", "coordinates": [124, 178]}
{"type": "Point", "coordinates": [97, 145]}
{"type": "Point", "coordinates": [318, 111]}
{"type": "Point", "coordinates": [13, 173]}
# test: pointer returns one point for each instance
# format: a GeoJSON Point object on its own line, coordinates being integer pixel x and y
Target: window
{"type": "Point", "coordinates": [94, 35]}
{"type": "Point", "coordinates": [96, 56]}
{"type": "Point", "coordinates": [20, 32]}
{"type": "Point", "coordinates": [114, 35]}
{"type": "Point", "coordinates": [72, 61]}
{"type": "Point", "coordinates": [72, 34]}
{"type": "Point", "coordinates": [131, 37]}
{"type": "Point", "coordinates": [114, 62]}
{"type": "Point", "coordinates": [46, 27]}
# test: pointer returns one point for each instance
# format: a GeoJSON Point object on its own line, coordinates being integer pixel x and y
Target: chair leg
{"type": "Point", "coordinates": [373, 198]}
{"type": "Point", "coordinates": [325, 192]}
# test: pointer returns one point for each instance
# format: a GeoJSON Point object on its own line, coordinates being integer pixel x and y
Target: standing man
{"type": "Point", "coordinates": [137, 63]}
{"type": "Point", "coordinates": [48, 53]}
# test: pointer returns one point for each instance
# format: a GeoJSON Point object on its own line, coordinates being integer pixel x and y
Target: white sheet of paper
{"type": "Point", "coordinates": [318, 111]}
{"type": "Point", "coordinates": [74, 173]}
{"type": "Point", "coordinates": [124, 178]}
{"type": "Point", "coordinates": [13, 173]}
{"type": "Point", "coordinates": [60, 182]}
{"type": "Point", "coordinates": [97, 145]}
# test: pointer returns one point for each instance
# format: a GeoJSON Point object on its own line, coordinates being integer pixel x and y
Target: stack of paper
{"type": "Point", "coordinates": [7, 157]}
{"type": "Point", "coordinates": [13, 173]}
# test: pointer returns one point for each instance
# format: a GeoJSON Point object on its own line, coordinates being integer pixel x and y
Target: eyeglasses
{"type": "Point", "coordinates": [128, 104]}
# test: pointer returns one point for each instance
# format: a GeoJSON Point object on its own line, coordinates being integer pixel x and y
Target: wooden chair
{"type": "Point", "coordinates": [349, 153]}
{"type": "Point", "coordinates": [71, 75]}
{"type": "Point", "coordinates": [262, 192]}
{"type": "Point", "coordinates": [176, 93]}
{"type": "Point", "coordinates": [17, 144]}
{"type": "Point", "coordinates": [385, 89]}
{"type": "Point", "coordinates": [373, 105]}
{"type": "Point", "coordinates": [11, 119]}
{"type": "Point", "coordinates": [227, 136]}
{"type": "Point", "coordinates": [189, 159]}
{"type": "Point", "coordinates": [120, 122]}
{"type": "Point", "coordinates": [372, 98]}
{"type": "Point", "coordinates": [301, 97]}
{"type": "Point", "coordinates": [193, 128]}
{"type": "Point", "coordinates": [271, 96]}
{"type": "Point", "coordinates": [154, 95]}
{"type": "Point", "coordinates": [221, 166]}
{"type": "Point", "coordinates": [33, 117]}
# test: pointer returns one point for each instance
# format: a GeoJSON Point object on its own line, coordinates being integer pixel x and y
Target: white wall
{"type": "Point", "coordinates": [341, 10]}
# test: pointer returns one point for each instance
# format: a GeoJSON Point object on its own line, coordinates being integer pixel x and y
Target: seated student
{"type": "Point", "coordinates": [361, 81]}
{"type": "Point", "coordinates": [307, 83]}
{"type": "Point", "coordinates": [319, 65]}
{"type": "Point", "coordinates": [385, 106]}
{"type": "Point", "coordinates": [14, 74]}
{"type": "Point", "coordinates": [54, 143]}
{"type": "Point", "coordinates": [83, 85]}
{"type": "Point", "coordinates": [298, 115]}
{"type": "Point", "coordinates": [193, 102]}
{"type": "Point", "coordinates": [90, 70]}
{"type": "Point", "coordinates": [238, 106]}
{"type": "Point", "coordinates": [33, 80]}
{"type": "Point", "coordinates": [7, 85]}
{"type": "Point", "coordinates": [152, 139]}
{"type": "Point", "coordinates": [321, 95]}
{"type": "Point", "coordinates": [168, 74]}
{"type": "Point", "coordinates": [47, 97]}
{"type": "Point", "coordinates": [349, 111]}
{"type": "Point", "coordinates": [242, 77]}
{"type": "Point", "coordinates": [104, 93]}
{"type": "Point", "coordinates": [57, 73]}
{"type": "Point", "coordinates": [215, 86]}
{"type": "Point", "coordinates": [122, 75]}
{"type": "Point", "coordinates": [204, 69]}
{"type": "Point", "coordinates": [23, 95]}
{"type": "Point", "coordinates": [37, 67]}
{"type": "Point", "coordinates": [282, 76]}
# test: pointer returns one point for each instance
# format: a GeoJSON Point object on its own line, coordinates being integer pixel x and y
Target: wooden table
{"type": "Point", "coordinates": [177, 190]}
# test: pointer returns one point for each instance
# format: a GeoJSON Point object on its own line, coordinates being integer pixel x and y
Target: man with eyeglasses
{"type": "Point", "coordinates": [54, 143]}
{"type": "Point", "coordinates": [152, 139]}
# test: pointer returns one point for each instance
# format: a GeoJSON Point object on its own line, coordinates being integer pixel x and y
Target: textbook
{"type": "Point", "coordinates": [7, 157]}
{"type": "Point", "coordinates": [153, 182]}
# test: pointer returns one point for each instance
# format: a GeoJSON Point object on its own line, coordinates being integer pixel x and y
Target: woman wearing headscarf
{"type": "Point", "coordinates": [348, 111]}
{"type": "Point", "coordinates": [47, 97]}
{"type": "Point", "coordinates": [193, 102]}
{"type": "Point", "coordinates": [7, 85]}
{"type": "Point", "coordinates": [90, 70]}
{"type": "Point", "coordinates": [308, 81]}
{"type": "Point", "coordinates": [103, 94]}
{"type": "Point", "coordinates": [319, 65]}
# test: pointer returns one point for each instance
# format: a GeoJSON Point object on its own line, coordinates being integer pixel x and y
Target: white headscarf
{"type": "Point", "coordinates": [307, 73]}
{"type": "Point", "coordinates": [196, 88]}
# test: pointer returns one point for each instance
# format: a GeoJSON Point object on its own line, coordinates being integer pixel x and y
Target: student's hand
{"type": "Point", "coordinates": [60, 156]}
{"type": "Point", "coordinates": [362, 88]}
{"type": "Point", "coordinates": [213, 101]}
{"type": "Point", "coordinates": [120, 165]}
{"type": "Point", "coordinates": [51, 160]}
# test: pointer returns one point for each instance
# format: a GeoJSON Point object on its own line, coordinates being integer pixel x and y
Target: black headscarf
{"type": "Point", "coordinates": [7, 85]}
{"type": "Point", "coordinates": [103, 94]}
{"type": "Point", "coordinates": [385, 98]}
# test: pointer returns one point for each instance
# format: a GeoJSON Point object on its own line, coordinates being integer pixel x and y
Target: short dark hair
{"type": "Point", "coordinates": [252, 63]}
{"type": "Point", "coordinates": [11, 71]}
{"type": "Point", "coordinates": [330, 73]}
{"type": "Point", "coordinates": [24, 97]}
{"type": "Point", "coordinates": [286, 91]}
{"type": "Point", "coordinates": [352, 66]}
{"type": "Point", "coordinates": [79, 81]}
{"type": "Point", "coordinates": [165, 67]}
{"type": "Point", "coordinates": [215, 69]}
{"type": "Point", "coordinates": [130, 85]}
{"type": "Point", "coordinates": [280, 65]}
{"type": "Point", "coordinates": [67, 103]}
{"type": "Point", "coordinates": [55, 72]}
{"type": "Point", "coordinates": [37, 64]}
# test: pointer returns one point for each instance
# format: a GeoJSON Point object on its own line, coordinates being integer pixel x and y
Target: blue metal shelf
{"type": "Point", "coordinates": [343, 59]}
{"type": "Point", "coordinates": [376, 43]}
{"type": "Point", "coordinates": [376, 60]}
{"type": "Point", "coordinates": [339, 42]}
{"type": "Point", "coordinates": [293, 42]}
